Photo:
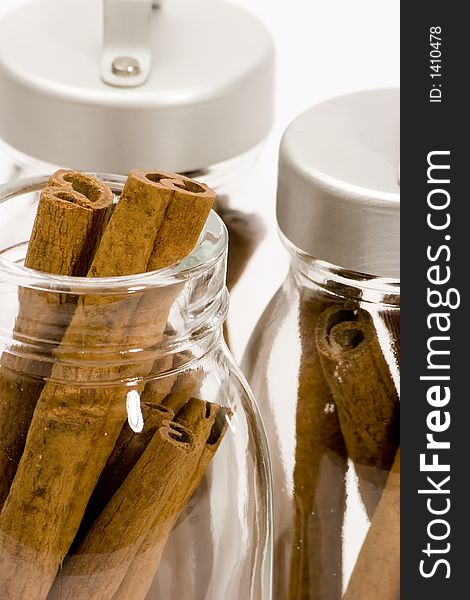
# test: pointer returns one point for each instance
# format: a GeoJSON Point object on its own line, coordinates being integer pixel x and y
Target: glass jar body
{"type": "Point", "coordinates": [135, 461]}
{"type": "Point", "coordinates": [323, 364]}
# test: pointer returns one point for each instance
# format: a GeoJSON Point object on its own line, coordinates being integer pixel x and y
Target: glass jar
{"type": "Point", "coordinates": [205, 109]}
{"type": "Point", "coordinates": [323, 360]}
{"type": "Point", "coordinates": [327, 483]}
{"type": "Point", "coordinates": [140, 463]}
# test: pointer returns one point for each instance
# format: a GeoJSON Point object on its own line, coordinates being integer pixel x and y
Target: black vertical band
{"type": "Point", "coordinates": [435, 347]}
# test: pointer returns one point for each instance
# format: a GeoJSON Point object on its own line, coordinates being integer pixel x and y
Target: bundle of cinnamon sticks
{"type": "Point", "coordinates": [347, 411]}
{"type": "Point", "coordinates": [87, 503]}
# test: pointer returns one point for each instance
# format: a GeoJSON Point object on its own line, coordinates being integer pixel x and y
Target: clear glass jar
{"type": "Point", "coordinates": [144, 472]}
{"type": "Point", "coordinates": [323, 365]}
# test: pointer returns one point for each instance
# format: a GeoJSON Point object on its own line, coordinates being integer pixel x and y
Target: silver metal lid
{"type": "Point", "coordinates": [338, 189]}
{"type": "Point", "coordinates": [208, 96]}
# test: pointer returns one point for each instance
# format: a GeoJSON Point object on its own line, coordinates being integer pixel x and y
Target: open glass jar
{"type": "Point", "coordinates": [135, 461]}
{"type": "Point", "coordinates": [323, 361]}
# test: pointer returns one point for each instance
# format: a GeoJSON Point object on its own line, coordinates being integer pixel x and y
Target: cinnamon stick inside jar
{"type": "Point", "coordinates": [208, 422]}
{"type": "Point", "coordinates": [128, 449]}
{"type": "Point", "coordinates": [77, 420]}
{"type": "Point", "coordinates": [95, 571]}
{"type": "Point", "coordinates": [68, 226]}
{"type": "Point", "coordinates": [365, 395]}
{"type": "Point", "coordinates": [377, 571]}
{"type": "Point", "coordinates": [319, 475]}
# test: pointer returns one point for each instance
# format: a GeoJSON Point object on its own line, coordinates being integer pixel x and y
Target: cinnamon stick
{"type": "Point", "coordinates": [128, 449]}
{"type": "Point", "coordinates": [77, 421]}
{"type": "Point", "coordinates": [186, 385]}
{"type": "Point", "coordinates": [209, 423]}
{"type": "Point", "coordinates": [102, 559]}
{"type": "Point", "coordinates": [65, 233]}
{"type": "Point", "coordinates": [319, 476]}
{"type": "Point", "coordinates": [377, 571]}
{"type": "Point", "coordinates": [364, 392]}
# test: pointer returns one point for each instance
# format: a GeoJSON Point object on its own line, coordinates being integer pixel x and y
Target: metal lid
{"type": "Point", "coordinates": [338, 189]}
{"type": "Point", "coordinates": [208, 96]}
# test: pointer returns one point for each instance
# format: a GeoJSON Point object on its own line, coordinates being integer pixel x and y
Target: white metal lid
{"type": "Point", "coordinates": [338, 189]}
{"type": "Point", "coordinates": [209, 96]}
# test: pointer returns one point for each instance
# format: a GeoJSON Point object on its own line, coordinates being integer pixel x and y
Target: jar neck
{"type": "Point", "coordinates": [331, 280]}
{"type": "Point", "coordinates": [143, 334]}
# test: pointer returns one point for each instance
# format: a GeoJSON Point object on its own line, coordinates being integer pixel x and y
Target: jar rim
{"type": "Point", "coordinates": [211, 247]}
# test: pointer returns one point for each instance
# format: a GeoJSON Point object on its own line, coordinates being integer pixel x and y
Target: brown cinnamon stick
{"type": "Point", "coordinates": [77, 422]}
{"type": "Point", "coordinates": [360, 380]}
{"type": "Point", "coordinates": [209, 423]}
{"type": "Point", "coordinates": [128, 449]}
{"type": "Point", "coordinates": [186, 385]}
{"type": "Point", "coordinates": [377, 571]}
{"type": "Point", "coordinates": [65, 233]}
{"type": "Point", "coordinates": [102, 559]}
{"type": "Point", "coordinates": [319, 476]}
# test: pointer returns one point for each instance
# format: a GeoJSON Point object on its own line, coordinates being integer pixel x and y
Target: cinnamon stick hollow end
{"type": "Point", "coordinates": [67, 230]}
{"type": "Point", "coordinates": [173, 181]}
{"type": "Point", "coordinates": [188, 204]}
{"type": "Point", "coordinates": [91, 189]}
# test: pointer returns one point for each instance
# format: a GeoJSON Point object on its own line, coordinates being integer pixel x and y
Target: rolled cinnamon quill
{"type": "Point", "coordinates": [319, 476]}
{"type": "Point", "coordinates": [128, 449]}
{"type": "Point", "coordinates": [377, 571]}
{"type": "Point", "coordinates": [77, 421]}
{"type": "Point", "coordinates": [95, 571]}
{"type": "Point", "coordinates": [68, 226]}
{"type": "Point", "coordinates": [364, 393]}
{"type": "Point", "coordinates": [208, 423]}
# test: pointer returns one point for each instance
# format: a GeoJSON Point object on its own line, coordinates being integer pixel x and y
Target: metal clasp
{"type": "Point", "coordinates": [127, 54]}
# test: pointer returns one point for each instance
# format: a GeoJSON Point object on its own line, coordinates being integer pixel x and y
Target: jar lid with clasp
{"type": "Point", "coordinates": [183, 85]}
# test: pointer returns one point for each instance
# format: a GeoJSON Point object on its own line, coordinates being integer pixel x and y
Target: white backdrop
{"type": "Point", "coordinates": [324, 48]}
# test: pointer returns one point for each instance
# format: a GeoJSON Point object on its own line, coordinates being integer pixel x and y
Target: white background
{"type": "Point", "coordinates": [324, 48]}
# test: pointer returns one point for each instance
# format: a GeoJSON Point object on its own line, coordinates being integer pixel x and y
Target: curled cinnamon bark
{"type": "Point", "coordinates": [128, 449]}
{"type": "Point", "coordinates": [208, 422]}
{"type": "Point", "coordinates": [364, 393]}
{"type": "Point", "coordinates": [95, 571]}
{"type": "Point", "coordinates": [68, 226]}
